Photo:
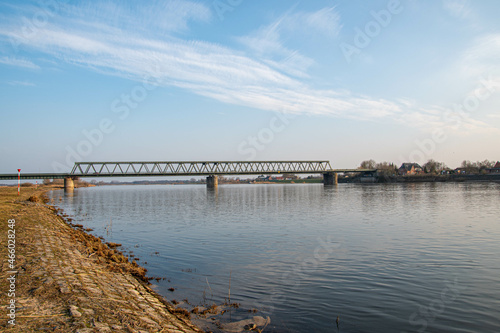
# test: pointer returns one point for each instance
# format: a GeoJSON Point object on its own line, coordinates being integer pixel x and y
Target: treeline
{"type": "Point", "coordinates": [477, 167]}
{"type": "Point", "coordinates": [431, 166]}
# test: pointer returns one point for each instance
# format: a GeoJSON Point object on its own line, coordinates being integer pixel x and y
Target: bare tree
{"type": "Point", "coordinates": [434, 167]}
{"type": "Point", "coordinates": [386, 168]}
{"type": "Point", "coordinates": [370, 164]}
{"type": "Point", "coordinates": [476, 167]}
{"type": "Point", "coordinates": [470, 167]}
{"type": "Point", "coordinates": [486, 164]}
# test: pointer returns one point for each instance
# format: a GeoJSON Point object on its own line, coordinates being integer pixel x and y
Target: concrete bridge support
{"type": "Point", "coordinates": [69, 184]}
{"type": "Point", "coordinates": [330, 178]}
{"type": "Point", "coordinates": [212, 181]}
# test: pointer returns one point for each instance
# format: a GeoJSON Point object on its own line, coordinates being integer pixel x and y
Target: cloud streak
{"type": "Point", "coordinates": [21, 83]}
{"type": "Point", "coordinates": [18, 63]}
{"type": "Point", "coordinates": [151, 16]}
{"type": "Point", "coordinates": [207, 69]}
{"type": "Point", "coordinates": [457, 8]}
{"type": "Point", "coordinates": [215, 71]}
{"type": "Point", "coordinates": [481, 57]}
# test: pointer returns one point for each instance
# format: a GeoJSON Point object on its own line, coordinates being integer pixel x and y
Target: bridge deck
{"type": "Point", "coordinates": [10, 176]}
{"type": "Point", "coordinates": [198, 168]}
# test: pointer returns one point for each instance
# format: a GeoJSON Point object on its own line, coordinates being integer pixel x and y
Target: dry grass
{"type": "Point", "coordinates": [44, 296]}
{"type": "Point", "coordinates": [115, 259]}
{"type": "Point", "coordinates": [181, 312]}
{"type": "Point", "coordinates": [44, 304]}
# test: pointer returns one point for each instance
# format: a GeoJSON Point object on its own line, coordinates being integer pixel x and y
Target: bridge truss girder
{"type": "Point", "coordinates": [198, 168]}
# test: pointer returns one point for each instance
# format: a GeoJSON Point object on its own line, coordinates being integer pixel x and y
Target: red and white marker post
{"type": "Point", "coordinates": [18, 181]}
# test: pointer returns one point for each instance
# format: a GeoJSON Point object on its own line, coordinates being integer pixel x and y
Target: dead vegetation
{"type": "Point", "coordinates": [115, 259]}
{"type": "Point", "coordinates": [182, 312]}
{"type": "Point", "coordinates": [113, 245]}
{"type": "Point", "coordinates": [66, 278]}
{"type": "Point", "coordinates": [33, 198]}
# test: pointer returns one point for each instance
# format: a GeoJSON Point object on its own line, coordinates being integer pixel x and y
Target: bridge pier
{"type": "Point", "coordinates": [212, 181]}
{"type": "Point", "coordinates": [330, 178]}
{"type": "Point", "coordinates": [69, 184]}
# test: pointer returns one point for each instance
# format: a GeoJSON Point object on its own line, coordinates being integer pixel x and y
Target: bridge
{"type": "Point", "coordinates": [210, 169]}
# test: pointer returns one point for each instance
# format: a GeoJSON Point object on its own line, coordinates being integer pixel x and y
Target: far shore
{"type": "Point", "coordinates": [380, 179]}
{"type": "Point", "coordinates": [430, 178]}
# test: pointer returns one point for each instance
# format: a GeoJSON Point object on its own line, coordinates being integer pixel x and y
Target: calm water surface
{"type": "Point", "coordinates": [384, 258]}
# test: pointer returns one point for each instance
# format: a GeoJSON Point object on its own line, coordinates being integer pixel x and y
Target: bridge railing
{"type": "Point", "coordinates": [198, 168]}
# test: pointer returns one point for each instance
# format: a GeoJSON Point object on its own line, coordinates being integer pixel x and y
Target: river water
{"type": "Point", "coordinates": [383, 258]}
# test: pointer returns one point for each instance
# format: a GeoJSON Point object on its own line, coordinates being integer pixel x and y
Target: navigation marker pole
{"type": "Point", "coordinates": [18, 181]}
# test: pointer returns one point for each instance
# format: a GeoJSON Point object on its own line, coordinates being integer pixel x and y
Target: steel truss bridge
{"type": "Point", "coordinates": [121, 169]}
{"type": "Point", "coordinates": [212, 169]}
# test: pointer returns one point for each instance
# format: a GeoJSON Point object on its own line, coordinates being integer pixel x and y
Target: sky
{"type": "Point", "coordinates": [240, 80]}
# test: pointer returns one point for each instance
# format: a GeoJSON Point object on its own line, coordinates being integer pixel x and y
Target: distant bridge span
{"type": "Point", "coordinates": [211, 169]}
{"type": "Point", "coordinates": [204, 168]}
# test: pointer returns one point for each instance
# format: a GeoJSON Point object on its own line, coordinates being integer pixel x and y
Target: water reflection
{"type": "Point", "coordinates": [395, 247]}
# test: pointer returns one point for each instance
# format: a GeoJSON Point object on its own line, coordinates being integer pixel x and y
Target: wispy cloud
{"type": "Point", "coordinates": [268, 41]}
{"type": "Point", "coordinates": [207, 69]}
{"type": "Point", "coordinates": [457, 8]}
{"type": "Point", "coordinates": [266, 44]}
{"type": "Point", "coordinates": [325, 21]}
{"type": "Point", "coordinates": [444, 119]}
{"type": "Point", "coordinates": [18, 62]}
{"type": "Point", "coordinates": [151, 16]}
{"type": "Point", "coordinates": [271, 80]}
{"type": "Point", "coordinates": [21, 83]}
{"type": "Point", "coordinates": [481, 57]}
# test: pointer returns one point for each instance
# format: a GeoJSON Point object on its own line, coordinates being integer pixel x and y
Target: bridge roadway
{"type": "Point", "coordinates": [211, 169]}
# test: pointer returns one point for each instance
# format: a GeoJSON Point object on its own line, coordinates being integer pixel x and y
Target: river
{"type": "Point", "coordinates": [380, 257]}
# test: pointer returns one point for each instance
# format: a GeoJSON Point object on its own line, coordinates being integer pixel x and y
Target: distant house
{"type": "Point", "coordinates": [410, 169]}
{"type": "Point", "coordinates": [495, 169]}
{"type": "Point", "coordinates": [447, 171]}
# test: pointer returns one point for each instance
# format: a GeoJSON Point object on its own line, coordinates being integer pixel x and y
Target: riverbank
{"type": "Point", "coordinates": [424, 178]}
{"type": "Point", "coordinates": [65, 280]}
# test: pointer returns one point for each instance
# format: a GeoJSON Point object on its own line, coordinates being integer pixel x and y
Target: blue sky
{"type": "Point", "coordinates": [340, 80]}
